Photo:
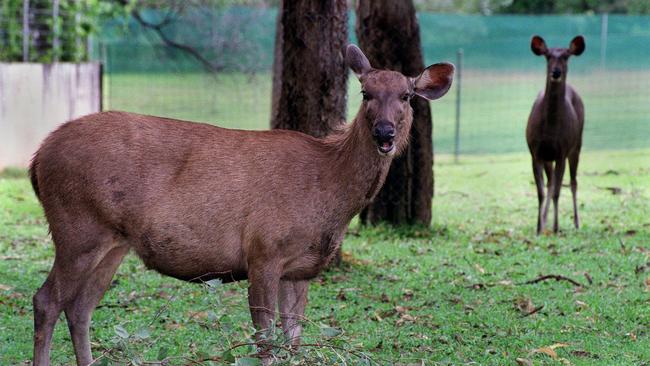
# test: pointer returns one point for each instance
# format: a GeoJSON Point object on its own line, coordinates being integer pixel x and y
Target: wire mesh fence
{"type": "Point", "coordinates": [501, 77]}
{"type": "Point", "coordinates": [44, 31]}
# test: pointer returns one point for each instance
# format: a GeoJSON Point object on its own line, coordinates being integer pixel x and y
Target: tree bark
{"type": "Point", "coordinates": [389, 34]}
{"type": "Point", "coordinates": [309, 72]}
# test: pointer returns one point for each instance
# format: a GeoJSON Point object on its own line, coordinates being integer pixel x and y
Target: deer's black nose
{"type": "Point", "coordinates": [556, 73]}
{"type": "Point", "coordinates": [383, 131]}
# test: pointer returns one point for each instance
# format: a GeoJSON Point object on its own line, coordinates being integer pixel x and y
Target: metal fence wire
{"type": "Point", "coordinates": [43, 31]}
{"type": "Point", "coordinates": [501, 77]}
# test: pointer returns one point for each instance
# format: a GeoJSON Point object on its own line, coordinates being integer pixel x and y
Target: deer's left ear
{"type": "Point", "coordinates": [435, 81]}
{"type": "Point", "coordinates": [577, 46]}
{"type": "Point", "coordinates": [357, 61]}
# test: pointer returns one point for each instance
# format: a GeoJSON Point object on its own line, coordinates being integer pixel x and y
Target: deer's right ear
{"type": "Point", "coordinates": [538, 46]}
{"type": "Point", "coordinates": [357, 61]}
{"type": "Point", "coordinates": [435, 81]}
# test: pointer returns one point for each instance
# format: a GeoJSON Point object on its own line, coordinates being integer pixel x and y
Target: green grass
{"type": "Point", "coordinates": [444, 295]}
{"type": "Point", "coordinates": [495, 105]}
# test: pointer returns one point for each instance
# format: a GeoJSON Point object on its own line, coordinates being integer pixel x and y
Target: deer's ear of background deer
{"type": "Point", "coordinates": [435, 81]}
{"type": "Point", "coordinates": [538, 46]}
{"type": "Point", "coordinates": [357, 61]}
{"type": "Point", "coordinates": [577, 46]}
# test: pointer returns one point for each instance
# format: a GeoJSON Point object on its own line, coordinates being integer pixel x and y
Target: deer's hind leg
{"type": "Point", "coordinates": [574, 158]}
{"type": "Point", "coordinates": [87, 255]}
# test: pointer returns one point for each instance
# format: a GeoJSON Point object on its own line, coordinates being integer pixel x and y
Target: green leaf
{"type": "Point", "coordinates": [121, 332]}
{"type": "Point", "coordinates": [214, 283]}
{"type": "Point", "coordinates": [248, 361]}
{"type": "Point", "coordinates": [227, 356]}
{"type": "Point", "coordinates": [329, 331]}
{"type": "Point", "coordinates": [142, 333]}
{"type": "Point", "coordinates": [162, 353]}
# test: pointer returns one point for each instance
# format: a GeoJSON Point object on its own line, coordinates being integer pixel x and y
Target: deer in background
{"type": "Point", "coordinates": [554, 131]}
{"type": "Point", "coordinates": [198, 202]}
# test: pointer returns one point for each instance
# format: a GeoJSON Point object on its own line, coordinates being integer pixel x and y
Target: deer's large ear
{"type": "Point", "coordinates": [538, 46]}
{"type": "Point", "coordinates": [435, 81]}
{"type": "Point", "coordinates": [577, 46]}
{"type": "Point", "coordinates": [357, 61]}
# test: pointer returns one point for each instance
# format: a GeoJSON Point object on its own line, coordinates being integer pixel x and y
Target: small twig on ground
{"type": "Point", "coordinates": [640, 268]}
{"type": "Point", "coordinates": [533, 311]}
{"type": "Point", "coordinates": [552, 277]}
{"type": "Point", "coordinates": [462, 194]}
{"type": "Point", "coordinates": [588, 277]}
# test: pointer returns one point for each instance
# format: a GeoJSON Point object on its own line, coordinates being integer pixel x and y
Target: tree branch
{"type": "Point", "coordinates": [158, 28]}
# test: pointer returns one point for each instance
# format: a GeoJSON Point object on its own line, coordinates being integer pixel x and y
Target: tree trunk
{"type": "Point", "coordinates": [309, 72]}
{"type": "Point", "coordinates": [389, 35]}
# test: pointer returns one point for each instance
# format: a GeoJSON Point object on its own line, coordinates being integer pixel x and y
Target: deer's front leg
{"type": "Point", "coordinates": [292, 299]}
{"type": "Point", "coordinates": [262, 300]}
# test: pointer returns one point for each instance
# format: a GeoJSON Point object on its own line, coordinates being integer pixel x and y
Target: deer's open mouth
{"type": "Point", "coordinates": [385, 147]}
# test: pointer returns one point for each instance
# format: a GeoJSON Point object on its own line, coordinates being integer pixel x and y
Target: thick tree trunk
{"type": "Point", "coordinates": [309, 72]}
{"type": "Point", "coordinates": [389, 35]}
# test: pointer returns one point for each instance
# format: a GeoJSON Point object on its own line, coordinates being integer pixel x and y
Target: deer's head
{"type": "Point", "coordinates": [387, 94]}
{"type": "Point", "coordinates": [557, 59]}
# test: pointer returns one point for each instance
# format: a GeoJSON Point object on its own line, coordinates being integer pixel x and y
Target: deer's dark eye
{"type": "Point", "coordinates": [366, 96]}
{"type": "Point", "coordinates": [406, 97]}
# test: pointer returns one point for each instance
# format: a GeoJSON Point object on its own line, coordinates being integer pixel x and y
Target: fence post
{"type": "Point", "coordinates": [77, 22]}
{"type": "Point", "coordinates": [604, 20]}
{"type": "Point", "coordinates": [55, 30]}
{"type": "Point", "coordinates": [25, 30]}
{"type": "Point", "coordinates": [105, 78]}
{"type": "Point", "coordinates": [459, 72]}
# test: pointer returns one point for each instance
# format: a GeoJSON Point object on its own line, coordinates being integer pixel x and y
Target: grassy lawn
{"type": "Point", "coordinates": [451, 294]}
{"type": "Point", "coordinates": [495, 105]}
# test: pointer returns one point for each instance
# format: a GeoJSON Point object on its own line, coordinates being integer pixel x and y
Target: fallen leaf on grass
{"type": "Point", "coordinates": [341, 295]}
{"type": "Point", "coordinates": [405, 318]}
{"type": "Point", "coordinates": [581, 353]}
{"type": "Point", "coordinates": [524, 305]}
{"type": "Point", "coordinates": [523, 362]}
{"type": "Point", "coordinates": [581, 304]}
{"type": "Point", "coordinates": [10, 257]}
{"type": "Point", "coordinates": [200, 315]}
{"type": "Point", "coordinates": [348, 257]}
{"type": "Point", "coordinates": [5, 287]}
{"type": "Point", "coordinates": [479, 268]}
{"type": "Point", "coordinates": [549, 350]}
{"type": "Point", "coordinates": [408, 294]}
{"type": "Point", "coordinates": [614, 190]}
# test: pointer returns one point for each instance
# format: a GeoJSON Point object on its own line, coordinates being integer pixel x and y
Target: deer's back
{"type": "Point", "coordinates": [197, 190]}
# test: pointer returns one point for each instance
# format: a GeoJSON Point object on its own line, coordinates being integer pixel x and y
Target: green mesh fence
{"type": "Point", "coordinates": [501, 77]}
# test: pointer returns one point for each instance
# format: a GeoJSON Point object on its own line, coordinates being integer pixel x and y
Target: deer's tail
{"type": "Point", "coordinates": [32, 174]}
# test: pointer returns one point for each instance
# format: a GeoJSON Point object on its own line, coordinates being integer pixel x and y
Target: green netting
{"type": "Point", "coordinates": [244, 40]}
{"type": "Point", "coordinates": [501, 76]}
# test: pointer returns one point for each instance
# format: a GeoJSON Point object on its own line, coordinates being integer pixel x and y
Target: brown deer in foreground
{"type": "Point", "coordinates": [197, 202]}
{"type": "Point", "coordinates": [554, 131]}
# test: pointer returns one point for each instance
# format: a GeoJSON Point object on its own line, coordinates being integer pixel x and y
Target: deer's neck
{"type": "Point", "coordinates": [554, 101]}
{"type": "Point", "coordinates": [358, 170]}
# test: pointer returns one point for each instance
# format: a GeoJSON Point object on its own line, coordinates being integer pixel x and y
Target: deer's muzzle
{"type": "Point", "coordinates": [384, 134]}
